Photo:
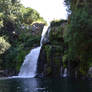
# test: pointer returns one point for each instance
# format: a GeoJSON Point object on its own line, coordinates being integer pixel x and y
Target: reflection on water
{"type": "Point", "coordinates": [31, 85]}
{"type": "Point", "coordinates": [28, 85]}
{"type": "Point", "coordinates": [22, 85]}
{"type": "Point", "coordinates": [44, 85]}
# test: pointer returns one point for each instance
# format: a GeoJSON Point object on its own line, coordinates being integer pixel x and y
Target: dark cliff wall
{"type": "Point", "coordinates": [50, 59]}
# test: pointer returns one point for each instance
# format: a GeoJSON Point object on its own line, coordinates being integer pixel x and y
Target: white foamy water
{"type": "Point", "coordinates": [45, 35]}
{"type": "Point", "coordinates": [29, 66]}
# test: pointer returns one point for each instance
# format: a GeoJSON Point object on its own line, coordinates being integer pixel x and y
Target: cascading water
{"type": "Point", "coordinates": [43, 35]}
{"type": "Point", "coordinates": [30, 63]}
{"type": "Point", "coordinates": [65, 73]}
{"type": "Point", "coordinates": [29, 66]}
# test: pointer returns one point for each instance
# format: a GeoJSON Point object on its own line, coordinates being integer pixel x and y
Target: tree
{"type": "Point", "coordinates": [30, 15]}
{"type": "Point", "coordinates": [78, 35]}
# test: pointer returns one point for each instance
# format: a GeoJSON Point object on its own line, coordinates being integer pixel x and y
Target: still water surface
{"type": "Point", "coordinates": [44, 85]}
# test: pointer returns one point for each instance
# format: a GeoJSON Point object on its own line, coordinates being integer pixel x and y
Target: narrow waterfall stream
{"type": "Point", "coordinates": [29, 66]}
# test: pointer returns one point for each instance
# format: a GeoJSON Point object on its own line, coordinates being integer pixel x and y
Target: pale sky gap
{"type": "Point", "coordinates": [48, 9]}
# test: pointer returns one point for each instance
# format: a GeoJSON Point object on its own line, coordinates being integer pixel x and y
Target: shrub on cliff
{"type": "Point", "coordinates": [4, 45]}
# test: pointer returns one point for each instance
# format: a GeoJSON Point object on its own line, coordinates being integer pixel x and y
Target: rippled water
{"type": "Point", "coordinates": [44, 85]}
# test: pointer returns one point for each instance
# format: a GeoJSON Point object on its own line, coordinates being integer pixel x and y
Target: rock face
{"type": "Point", "coordinates": [50, 60]}
{"type": "Point", "coordinates": [37, 28]}
{"type": "Point", "coordinates": [33, 35]}
{"type": "Point", "coordinates": [54, 60]}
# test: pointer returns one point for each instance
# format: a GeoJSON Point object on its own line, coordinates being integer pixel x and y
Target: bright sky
{"type": "Point", "coordinates": [48, 9]}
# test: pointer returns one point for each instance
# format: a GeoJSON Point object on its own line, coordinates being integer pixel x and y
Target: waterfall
{"type": "Point", "coordinates": [45, 35]}
{"type": "Point", "coordinates": [65, 73]}
{"type": "Point", "coordinates": [29, 66]}
{"type": "Point", "coordinates": [30, 63]}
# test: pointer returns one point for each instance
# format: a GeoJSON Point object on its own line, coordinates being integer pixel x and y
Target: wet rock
{"type": "Point", "coordinates": [50, 59]}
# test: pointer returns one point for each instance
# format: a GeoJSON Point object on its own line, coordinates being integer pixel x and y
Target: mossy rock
{"type": "Point", "coordinates": [56, 35]}
{"type": "Point", "coordinates": [56, 23]}
{"type": "Point", "coordinates": [54, 59]}
{"type": "Point", "coordinates": [48, 70]}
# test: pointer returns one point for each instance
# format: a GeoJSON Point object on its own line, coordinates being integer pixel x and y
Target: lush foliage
{"type": "Point", "coordinates": [30, 15]}
{"type": "Point", "coordinates": [70, 41]}
{"type": "Point", "coordinates": [4, 45]}
{"type": "Point", "coordinates": [78, 34]}
{"type": "Point", "coordinates": [16, 35]}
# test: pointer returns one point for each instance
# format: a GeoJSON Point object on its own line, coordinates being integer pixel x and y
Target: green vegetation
{"type": "Point", "coordinates": [70, 43]}
{"type": "Point", "coordinates": [78, 34]}
{"type": "Point", "coordinates": [4, 45]}
{"type": "Point", "coordinates": [17, 37]}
